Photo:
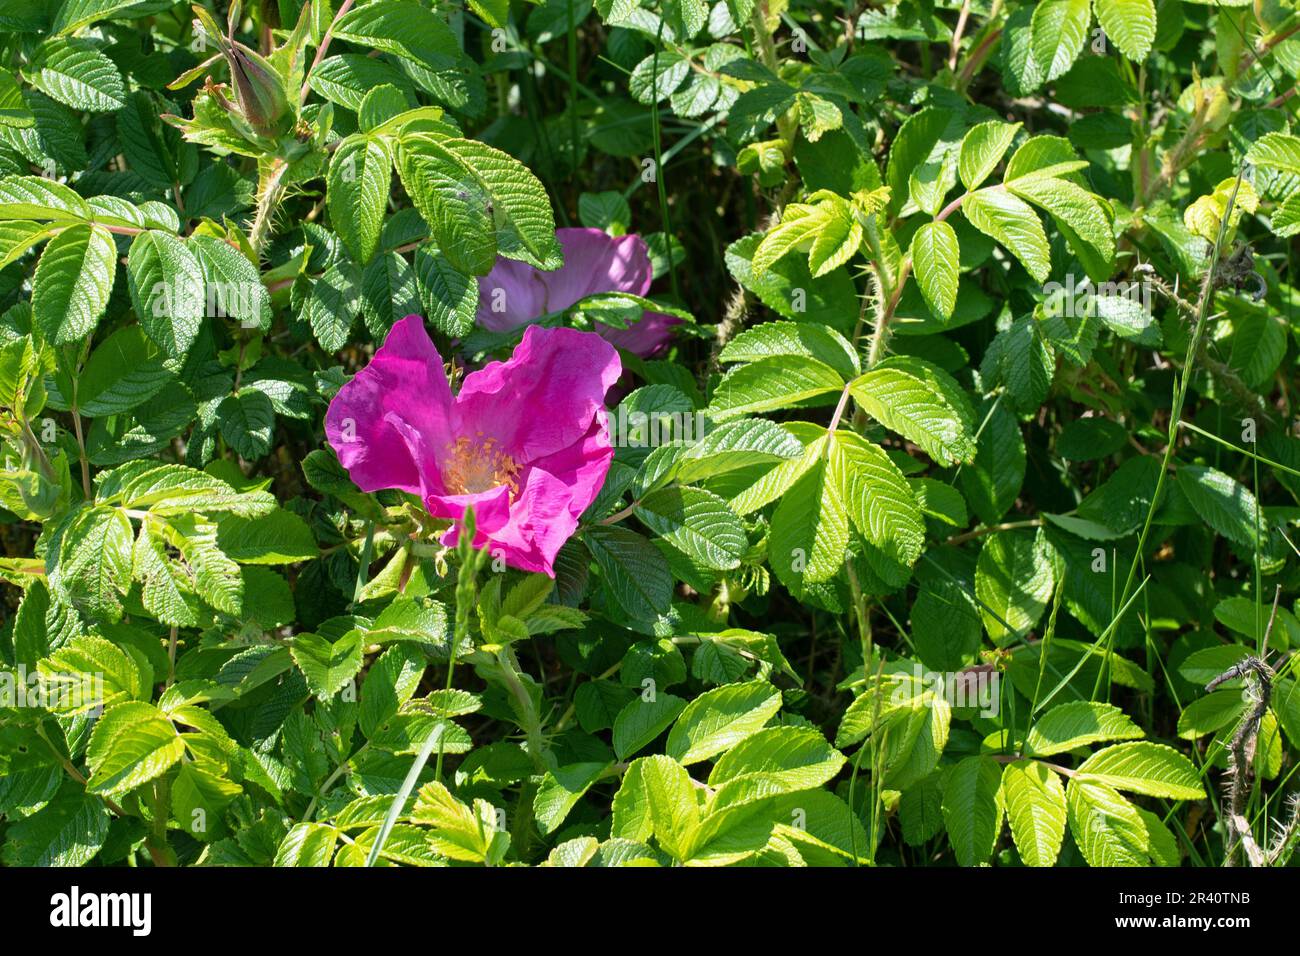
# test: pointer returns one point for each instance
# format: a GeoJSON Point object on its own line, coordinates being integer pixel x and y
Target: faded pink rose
{"type": "Point", "coordinates": [525, 442]}
{"type": "Point", "coordinates": [515, 294]}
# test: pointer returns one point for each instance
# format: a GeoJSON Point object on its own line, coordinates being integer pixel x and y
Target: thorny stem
{"type": "Point", "coordinates": [268, 201]}
{"type": "Point", "coordinates": [1259, 676]}
{"type": "Point", "coordinates": [767, 53]}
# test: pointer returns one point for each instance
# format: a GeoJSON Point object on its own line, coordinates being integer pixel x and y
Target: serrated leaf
{"type": "Point", "coordinates": [74, 72]}
{"type": "Point", "coordinates": [1035, 802]}
{"type": "Point", "coordinates": [1059, 29]}
{"type": "Point", "coordinates": [771, 383]}
{"type": "Point", "coordinates": [640, 721]}
{"type": "Point", "coordinates": [167, 290]}
{"type": "Point", "coordinates": [720, 718]}
{"type": "Point", "coordinates": [449, 297]}
{"type": "Point", "coordinates": [94, 561]}
{"type": "Point", "coordinates": [357, 192]}
{"type": "Point", "coordinates": [982, 148]}
{"type": "Point", "coordinates": [73, 281]}
{"type": "Point", "coordinates": [1009, 220]}
{"type": "Point", "coordinates": [1130, 24]}
{"type": "Point", "coordinates": [333, 304]}
{"type": "Point", "coordinates": [1078, 724]}
{"type": "Point", "coordinates": [697, 522]}
{"type": "Point", "coordinates": [1144, 767]}
{"type": "Point", "coordinates": [1107, 828]}
{"type": "Point", "coordinates": [902, 395]}
{"type": "Point", "coordinates": [132, 744]}
{"type": "Point", "coordinates": [634, 570]}
{"type": "Point", "coordinates": [972, 808]}
{"type": "Point", "coordinates": [479, 202]}
{"type": "Point", "coordinates": [936, 259]}
{"type": "Point", "coordinates": [1013, 581]}
{"type": "Point", "coordinates": [326, 664]}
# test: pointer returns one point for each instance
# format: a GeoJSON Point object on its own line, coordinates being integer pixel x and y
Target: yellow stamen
{"type": "Point", "coordinates": [475, 466]}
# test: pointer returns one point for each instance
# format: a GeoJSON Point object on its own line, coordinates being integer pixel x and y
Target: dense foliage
{"type": "Point", "coordinates": [952, 425]}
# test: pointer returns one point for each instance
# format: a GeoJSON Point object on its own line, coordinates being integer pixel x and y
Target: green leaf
{"type": "Point", "coordinates": [697, 522]}
{"type": "Point", "coordinates": [479, 202]}
{"type": "Point", "coordinates": [634, 570]}
{"type": "Point", "coordinates": [94, 562]}
{"type": "Point", "coordinates": [1224, 504]}
{"type": "Point", "coordinates": [799, 758]}
{"type": "Point", "coordinates": [720, 718]}
{"type": "Point", "coordinates": [165, 589]}
{"type": "Point", "coordinates": [810, 528]}
{"type": "Point", "coordinates": [217, 579]}
{"type": "Point", "coordinates": [167, 290]}
{"type": "Point", "coordinates": [1144, 767]}
{"type": "Point", "coordinates": [828, 229]}
{"type": "Point", "coordinates": [1059, 28]}
{"type": "Point", "coordinates": [878, 498]}
{"type": "Point", "coordinates": [357, 192]}
{"type": "Point", "coordinates": [1035, 802]}
{"type": "Point", "coordinates": [1078, 724]}
{"type": "Point", "coordinates": [1131, 24]}
{"type": "Point", "coordinates": [67, 831]}
{"type": "Point", "coordinates": [646, 85]}
{"type": "Point", "coordinates": [407, 30]}
{"type": "Point", "coordinates": [907, 396]}
{"type": "Point", "coordinates": [74, 72]}
{"type": "Point", "coordinates": [390, 683]}
{"type": "Point", "coordinates": [768, 384]}
{"type": "Point", "coordinates": [333, 304]}
{"type": "Point", "coordinates": [1082, 217]}
{"type": "Point", "coordinates": [1020, 358]}
{"type": "Point", "coordinates": [803, 339]}
{"type": "Point", "coordinates": [1013, 581]}
{"type": "Point", "coordinates": [87, 656]}
{"type": "Point", "coordinates": [234, 285]}
{"type": "Point", "coordinates": [307, 844]}
{"type": "Point", "coordinates": [657, 798]}
{"type": "Point", "coordinates": [1107, 828]}
{"type": "Point", "coordinates": [326, 664]}
{"type": "Point", "coordinates": [982, 148]}
{"type": "Point", "coordinates": [640, 721]}
{"type": "Point", "coordinates": [992, 484]}
{"type": "Point", "coordinates": [972, 808]}
{"type": "Point", "coordinates": [917, 141]}
{"type": "Point", "coordinates": [1007, 219]}
{"type": "Point", "coordinates": [449, 297]}
{"type": "Point", "coordinates": [132, 744]}
{"type": "Point", "coordinates": [33, 197]}
{"type": "Point", "coordinates": [73, 281]}
{"type": "Point", "coordinates": [388, 293]}
{"type": "Point", "coordinates": [561, 789]}
{"type": "Point", "coordinates": [280, 537]}
{"type": "Point", "coordinates": [936, 259]}
{"type": "Point", "coordinates": [247, 423]}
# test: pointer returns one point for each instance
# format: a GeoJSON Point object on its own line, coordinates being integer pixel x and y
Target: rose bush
{"type": "Point", "coordinates": [752, 432]}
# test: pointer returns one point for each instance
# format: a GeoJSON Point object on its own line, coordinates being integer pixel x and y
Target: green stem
{"type": "Point", "coordinates": [269, 194]}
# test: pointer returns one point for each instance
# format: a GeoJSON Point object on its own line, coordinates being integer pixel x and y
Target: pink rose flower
{"type": "Point", "coordinates": [525, 442]}
{"type": "Point", "coordinates": [515, 294]}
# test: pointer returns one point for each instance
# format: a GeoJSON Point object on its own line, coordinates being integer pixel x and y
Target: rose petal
{"type": "Point", "coordinates": [513, 293]}
{"type": "Point", "coordinates": [388, 422]}
{"type": "Point", "coordinates": [543, 399]}
{"type": "Point", "coordinates": [646, 337]}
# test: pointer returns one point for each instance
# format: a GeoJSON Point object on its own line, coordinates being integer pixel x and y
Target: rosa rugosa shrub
{"type": "Point", "coordinates": [752, 432]}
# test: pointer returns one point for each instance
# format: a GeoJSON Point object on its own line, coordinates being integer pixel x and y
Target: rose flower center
{"type": "Point", "coordinates": [475, 466]}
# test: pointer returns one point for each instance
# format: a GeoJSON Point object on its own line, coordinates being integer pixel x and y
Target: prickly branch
{"type": "Point", "coordinates": [1241, 756]}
